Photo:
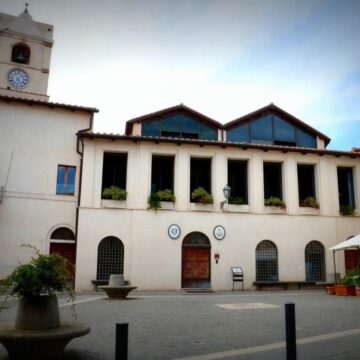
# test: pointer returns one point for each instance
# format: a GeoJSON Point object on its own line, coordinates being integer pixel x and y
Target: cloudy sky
{"type": "Point", "coordinates": [224, 58]}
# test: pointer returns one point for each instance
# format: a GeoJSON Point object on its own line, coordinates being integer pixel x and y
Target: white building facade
{"type": "Point", "coordinates": [54, 170]}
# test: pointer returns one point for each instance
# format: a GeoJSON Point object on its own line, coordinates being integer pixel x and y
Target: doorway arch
{"type": "Point", "coordinates": [196, 250]}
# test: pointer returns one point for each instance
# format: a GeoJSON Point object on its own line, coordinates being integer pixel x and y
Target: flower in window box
{"type": "Point", "coordinates": [201, 196]}
{"type": "Point", "coordinates": [275, 201]}
{"type": "Point", "coordinates": [114, 193]}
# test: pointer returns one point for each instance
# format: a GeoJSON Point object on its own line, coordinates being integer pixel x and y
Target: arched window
{"type": "Point", "coordinates": [20, 54]}
{"type": "Point", "coordinates": [62, 233]}
{"type": "Point", "coordinates": [196, 239]}
{"type": "Point", "coordinates": [266, 261]}
{"type": "Point", "coordinates": [110, 258]}
{"type": "Point", "coordinates": [315, 261]}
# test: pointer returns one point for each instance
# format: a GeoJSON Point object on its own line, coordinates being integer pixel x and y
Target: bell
{"type": "Point", "coordinates": [20, 56]}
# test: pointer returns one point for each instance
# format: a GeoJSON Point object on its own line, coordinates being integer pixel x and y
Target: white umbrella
{"type": "Point", "coordinates": [354, 242]}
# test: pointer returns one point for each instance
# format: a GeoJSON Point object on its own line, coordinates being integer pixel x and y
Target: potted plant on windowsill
{"type": "Point", "coordinates": [162, 199]}
{"type": "Point", "coordinates": [275, 204]}
{"type": "Point", "coordinates": [202, 199]}
{"type": "Point", "coordinates": [347, 210]}
{"type": "Point", "coordinates": [310, 202]}
{"type": "Point", "coordinates": [114, 197]}
{"type": "Point", "coordinates": [347, 284]}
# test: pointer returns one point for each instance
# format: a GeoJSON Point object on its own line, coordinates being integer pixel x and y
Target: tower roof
{"type": "Point", "coordinates": [24, 24]}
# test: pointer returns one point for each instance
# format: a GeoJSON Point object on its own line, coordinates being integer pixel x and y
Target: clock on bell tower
{"type": "Point", "coordinates": [25, 50]}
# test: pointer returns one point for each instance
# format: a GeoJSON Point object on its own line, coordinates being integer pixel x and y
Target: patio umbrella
{"type": "Point", "coordinates": [352, 243]}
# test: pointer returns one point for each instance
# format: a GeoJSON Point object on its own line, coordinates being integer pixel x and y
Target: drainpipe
{"type": "Point", "coordinates": [81, 153]}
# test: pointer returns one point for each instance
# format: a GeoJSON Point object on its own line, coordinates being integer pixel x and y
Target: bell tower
{"type": "Point", "coordinates": [25, 50]}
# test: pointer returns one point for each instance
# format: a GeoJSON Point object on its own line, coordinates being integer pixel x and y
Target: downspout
{"type": "Point", "coordinates": [81, 153]}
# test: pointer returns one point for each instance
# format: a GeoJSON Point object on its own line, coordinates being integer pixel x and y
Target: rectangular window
{"type": "Point", "coordinates": [272, 180]}
{"type": "Point", "coordinates": [114, 170]}
{"type": "Point", "coordinates": [346, 186]}
{"type": "Point", "coordinates": [65, 180]}
{"type": "Point", "coordinates": [237, 180]}
{"type": "Point", "coordinates": [200, 175]}
{"type": "Point", "coordinates": [306, 182]}
{"type": "Point", "coordinates": [162, 173]}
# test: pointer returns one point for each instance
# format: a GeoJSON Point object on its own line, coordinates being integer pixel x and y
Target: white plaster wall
{"type": "Point", "coordinates": [153, 260]}
{"type": "Point", "coordinates": [38, 139]}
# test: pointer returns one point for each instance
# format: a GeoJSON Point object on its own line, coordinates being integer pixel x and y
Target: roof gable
{"type": "Point", "coordinates": [275, 110]}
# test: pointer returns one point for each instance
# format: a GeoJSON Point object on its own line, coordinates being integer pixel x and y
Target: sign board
{"type": "Point", "coordinates": [237, 271]}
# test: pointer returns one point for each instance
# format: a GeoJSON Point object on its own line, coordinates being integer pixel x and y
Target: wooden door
{"type": "Point", "coordinates": [351, 259]}
{"type": "Point", "coordinates": [68, 252]}
{"type": "Point", "coordinates": [196, 266]}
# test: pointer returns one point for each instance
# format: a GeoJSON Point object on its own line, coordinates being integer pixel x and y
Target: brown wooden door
{"type": "Point", "coordinates": [68, 252]}
{"type": "Point", "coordinates": [195, 267]}
{"type": "Point", "coordinates": [351, 259]}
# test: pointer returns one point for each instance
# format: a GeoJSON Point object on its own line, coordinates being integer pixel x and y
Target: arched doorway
{"type": "Point", "coordinates": [62, 241]}
{"type": "Point", "coordinates": [315, 261]}
{"type": "Point", "coordinates": [110, 259]}
{"type": "Point", "coordinates": [196, 261]}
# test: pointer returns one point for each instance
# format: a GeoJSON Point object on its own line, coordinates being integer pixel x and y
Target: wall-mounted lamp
{"type": "Point", "coordinates": [226, 191]}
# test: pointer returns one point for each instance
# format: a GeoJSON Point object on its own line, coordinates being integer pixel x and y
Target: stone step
{"type": "Point", "coordinates": [198, 290]}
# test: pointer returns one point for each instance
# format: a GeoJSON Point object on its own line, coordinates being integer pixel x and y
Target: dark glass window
{"type": "Point", "coordinates": [110, 258]}
{"type": "Point", "coordinates": [262, 129]}
{"type": "Point", "coordinates": [240, 133]}
{"type": "Point", "coordinates": [114, 170]}
{"type": "Point", "coordinates": [305, 140]}
{"type": "Point", "coordinates": [266, 261]}
{"type": "Point", "coordinates": [315, 262]}
{"type": "Point", "coordinates": [20, 54]}
{"type": "Point", "coordinates": [207, 133]}
{"type": "Point", "coordinates": [306, 182]}
{"type": "Point", "coordinates": [283, 131]}
{"type": "Point", "coordinates": [189, 125]}
{"type": "Point", "coordinates": [150, 128]}
{"type": "Point", "coordinates": [162, 173]}
{"type": "Point", "coordinates": [346, 186]}
{"type": "Point", "coordinates": [200, 175]}
{"type": "Point", "coordinates": [272, 180]}
{"type": "Point", "coordinates": [237, 180]}
{"type": "Point", "coordinates": [65, 180]}
{"type": "Point", "coordinates": [171, 123]}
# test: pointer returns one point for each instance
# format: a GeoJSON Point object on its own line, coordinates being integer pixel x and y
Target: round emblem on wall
{"type": "Point", "coordinates": [174, 231]}
{"type": "Point", "coordinates": [219, 232]}
{"type": "Point", "coordinates": [18, 78]}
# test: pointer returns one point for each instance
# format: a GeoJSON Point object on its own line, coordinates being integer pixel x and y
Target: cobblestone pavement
{"type": "Point", "coordinates": [219, 325]}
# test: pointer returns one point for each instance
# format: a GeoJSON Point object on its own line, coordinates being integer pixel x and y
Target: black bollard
{"type": "Point", "coordinates": [290, 331]}
{"type": "Point", "coordinates": [121, 342]}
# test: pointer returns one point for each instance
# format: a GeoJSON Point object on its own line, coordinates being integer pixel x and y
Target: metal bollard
{"type": "Point", "coordinates": [290, 331]}
{"type": "Point", "coordinates": [121, 342]}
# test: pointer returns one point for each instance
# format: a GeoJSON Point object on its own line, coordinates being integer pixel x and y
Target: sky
{"type": "Point", "coordinates": [223, 58]}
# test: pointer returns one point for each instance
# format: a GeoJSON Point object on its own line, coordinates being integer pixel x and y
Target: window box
{"type": "Point", "coordinates": [166, 205]}
{"type": "Point", "coordinates": [303, 210]}
{"type": "Point", "coordinates": [116, 204]}
{"type": "Point", "coordinates": [201, 207]}
{"type": "Point", "coordinates": [238, 208]}
{"type": "Point", "coordinates": [275, 210]}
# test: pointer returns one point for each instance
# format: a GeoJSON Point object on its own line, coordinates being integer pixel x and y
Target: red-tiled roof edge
{"type": "Point", "coordinates": [285, 149]}
{"type": "Point", "coordinates": [48, 104]}
{"type": "Point", "coordinates": [208, 120]}
{"type": "Point", "coordinates": [275, 108]}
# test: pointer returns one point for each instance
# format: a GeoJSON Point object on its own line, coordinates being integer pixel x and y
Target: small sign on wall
{"type": "Point", "coordinates": [219, 232]}
{"type": "Point", "coordinates": [174, 231]}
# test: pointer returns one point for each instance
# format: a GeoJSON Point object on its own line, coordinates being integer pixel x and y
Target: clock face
{"type": "Point", "coordinates": [18, 78]}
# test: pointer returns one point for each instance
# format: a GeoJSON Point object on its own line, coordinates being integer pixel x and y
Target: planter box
{"type": "Point", "coordinates": [345, 290]}
{"type": "Point", "coordinates": [274, 210]}
{"type": "Point", "coordinates": [238, 208]}
{"type": "Point", "coordinates": [358, 291]}
{"type": "Point", "coordinates": [330, 290]}
{"type": "Point", "coordinates": [308, 211]}
{"type": "Point", "coordinates": [201, 207]}
{"type": "Point", "coordinates": [114, 204]}
{"type": "Point", "coordinates": [167, 205]}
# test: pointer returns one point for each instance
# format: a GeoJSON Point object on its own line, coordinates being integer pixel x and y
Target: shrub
{"type": "Point", "coordinates": [352, 277]}
{"type": "Point", "coordinates": [114, 193]}
{"type": "Point", "coordinates": [347, 210]}
{"type": "Point", "coordinates": [161, 195]}
{"type": "Point", "coordinates": [236, 200]}
{"type": "Point", "coordinates": [201, 196]}
{"type": "Point", "coordinates": [310, 202]}
{"type": "Point", "coordinates": [43, 275]}
{"type": "Point", "coordinates": [275, 201]}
